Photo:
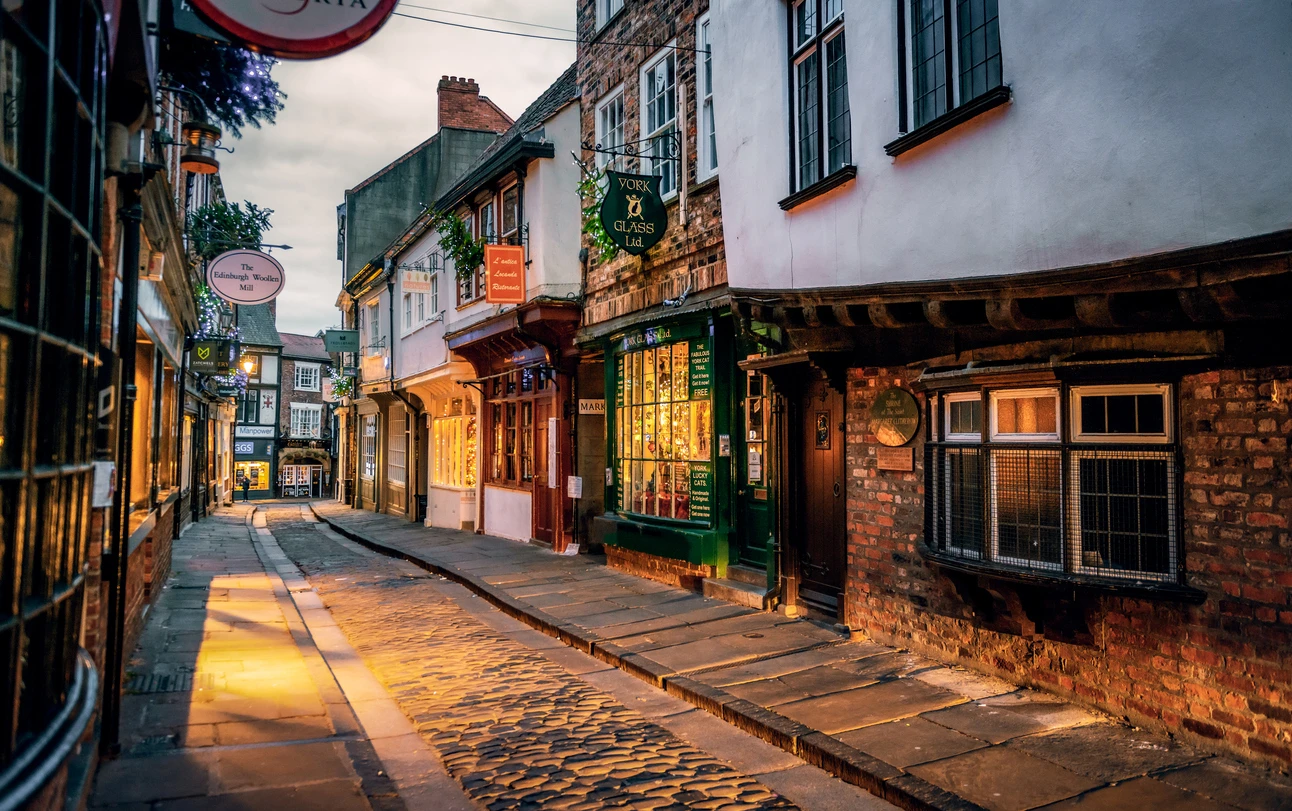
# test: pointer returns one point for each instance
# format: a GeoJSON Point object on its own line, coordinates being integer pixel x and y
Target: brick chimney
{"type": "Point", "coordinates": [462, 106]}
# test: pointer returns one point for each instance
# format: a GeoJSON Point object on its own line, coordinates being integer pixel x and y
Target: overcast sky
{"type": "Point", "coordinates": [350, 115]}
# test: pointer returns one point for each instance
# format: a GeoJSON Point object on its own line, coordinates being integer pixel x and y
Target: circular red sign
{"type": "Point", "coordinates": [245, 277]}
{"type": "Point", "coordinates": [297, 29]}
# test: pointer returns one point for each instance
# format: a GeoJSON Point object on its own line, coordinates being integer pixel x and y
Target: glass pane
{"type": "Point", "coordinates": [650, 448]}
{"type": "Point", "coordinates": [963, 511]}
{"type": "Point", "coordinates": [979, 47]}
{"type": "Point", "coordinates": [681, 430]}
{"type": "Point", "coordinates": [700, 433]}
{"type": "Point", "coordinates": [648, 376]}
{"type": "Point", "coordinates": [1027, 415]}
{"type": "Point", "coordinates": [928, 60]}
{"type": "Point", "coordinates": [804, 22]}
{"type": "Point", "coordinates": [1026, 505]}
{"type": "Point", "coordinates": [1125, 513]}
{"type": "Point", "coordinates": [681, 371]}
{"type": "Point", "coordinates": [839, 123]}
{"type": "Point", "coordinates": [807, 100]}
{"type": "Point", "coordinates": [965, 417]}
{"type": "Point", "coordinates": [665, 426]}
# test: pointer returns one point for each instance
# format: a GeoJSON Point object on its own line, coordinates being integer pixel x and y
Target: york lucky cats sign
{"type": "Point", "coordinates": [245, 277]}
{"type": "Point", "coordinates": [632, 212]}
{"type": "Point", "coordinates": [296, 29]}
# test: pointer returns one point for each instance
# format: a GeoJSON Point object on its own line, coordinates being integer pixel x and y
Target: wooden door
{"type": "Point", "coordinates": [821, 514]}
{"type": "Point", "coordinates": [544, 521]}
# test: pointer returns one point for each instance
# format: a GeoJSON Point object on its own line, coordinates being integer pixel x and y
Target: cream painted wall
{"type": "Point", "coordinates": [1136, 126]}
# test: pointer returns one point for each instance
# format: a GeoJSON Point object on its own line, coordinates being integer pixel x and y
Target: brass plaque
{"type": "Point", "coordinates": [902, 459]}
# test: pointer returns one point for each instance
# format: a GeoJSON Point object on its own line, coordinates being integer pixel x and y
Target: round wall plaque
{"type": "Point", "coordinates": [245, 277]}
{"type": "Point", "coordinates": [296, 29]}
{"type": "Point", "coordinates": [895, 417]}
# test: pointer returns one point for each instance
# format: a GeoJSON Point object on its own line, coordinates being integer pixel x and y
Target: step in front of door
{"type": "Point", "coordinates": [735, 592]}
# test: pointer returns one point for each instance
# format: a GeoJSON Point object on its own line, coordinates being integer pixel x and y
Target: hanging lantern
{"type": "Point", "coordinates": [198, 155]}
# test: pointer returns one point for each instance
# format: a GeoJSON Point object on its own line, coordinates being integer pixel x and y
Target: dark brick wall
{"type": "Point", "coordinates": [688, 256]}
{"type": "Point", "coordinates": [288, 394]}
{"type": "Point", "coordinates": [1215, 674]}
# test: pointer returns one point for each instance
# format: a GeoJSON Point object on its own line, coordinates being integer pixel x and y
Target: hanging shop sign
{"type": "Point", "coordinates": [632, 212]}
{"type": "Point", "coordinates": [211, 358]}
{"type": "Point", "coordinates": [296, 29]}
{"type": "Point", "coordinates": [245, 277]}
{"type": "Point", "coordinates": [415, 281]}
{"type": "Point", "coordinates": [226, 390]}
{"type": "Point", "coordinates": [504, 274]}
{"type": "Point", "coordinates": [895, 417]}
{"type": "Point", "coordinates": [341, 340]}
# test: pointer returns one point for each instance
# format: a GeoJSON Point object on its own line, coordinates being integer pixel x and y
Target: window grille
{"type": "Point", "coordinates": [1102, 507]}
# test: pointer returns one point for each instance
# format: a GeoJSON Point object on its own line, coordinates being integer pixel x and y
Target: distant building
{"type": "Point", "coordinates": [256, 434]}
{"type": "Point", "coordinates": [305, 465]}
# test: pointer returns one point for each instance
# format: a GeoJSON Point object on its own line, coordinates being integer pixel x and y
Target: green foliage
{"type": "Point", "coordinates": [234, 84]}
{"type": "Point", "coordinates": [592, 191]}
{"type": "Point", "coordinates": [342, 385]}
{"type": "Point", "coordinates": [221, 227]}
{"type": "Point", "coordinates": [456, 241]}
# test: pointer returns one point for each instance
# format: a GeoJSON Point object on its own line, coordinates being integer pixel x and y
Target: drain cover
{"type": "Point", "coordinates": [151, 683]}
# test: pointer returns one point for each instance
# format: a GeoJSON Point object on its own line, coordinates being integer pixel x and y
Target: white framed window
{"type": "Point", "coordinates": [435, 289]}
{"type": "Point", "coordinates": [472, 287]}
{"type": "Point", "coordinates": [373, 317]}
{"type": "Point", "coordinates": [488, 223]}
{"type": "Point", "coordinates": [368, 448]}
{"type": "Point", "coordinates": [821, 124]}
{"type": "Point", "coordinates": [606, 10]}
{"type": "Point", "coordinates": [962, 420]}
{"type": "Point", "coordinates": [308, 376]}
{"type": "Point", "coordinates": [306, 420]}
{"type": "Point", "coordinates": [1121, 414]}
{"type": "Point", "coordinates": [659, 118]}
{"type": "Point", "coordinates": [396, 468]}
{"type": "Point", "coordinates": [1025, 415]}
{"type": "Point", "coordinates": [609, 126]}
{"type": "Point", "coordinates": [510, 213]}
{"type": "Point", "coordinates": [453, 443]}
{"type": "Point", "coordinates": [706, 134]}
{"type": "Point", "coordinates": [419, 308]}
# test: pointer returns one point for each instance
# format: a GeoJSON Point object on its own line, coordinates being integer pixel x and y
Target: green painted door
{"type": "Point", "coordinates": [753, 490]}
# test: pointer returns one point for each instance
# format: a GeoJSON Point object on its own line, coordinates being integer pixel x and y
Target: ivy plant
{"type": "Point", "coordinates": [592, 191]}
{"type": "Point", "coordinates": [458, 244]}
{"type": "Point", "coordinates": [220, 227]}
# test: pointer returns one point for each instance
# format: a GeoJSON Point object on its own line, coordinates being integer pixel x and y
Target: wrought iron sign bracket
{"type": "Point", "coordinates": [643, 148]}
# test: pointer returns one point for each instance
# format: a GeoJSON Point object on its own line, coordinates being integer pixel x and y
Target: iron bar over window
{"type": "Point", "coordinates": [1080, 481]}
{"type": "Point", "coordinates": [820, 122]}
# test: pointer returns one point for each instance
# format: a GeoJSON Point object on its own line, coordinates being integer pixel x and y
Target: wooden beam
{"type": "Point", "coordinates": [1095, 310]}
{"type": "Point", "coordinates": [881, 315]}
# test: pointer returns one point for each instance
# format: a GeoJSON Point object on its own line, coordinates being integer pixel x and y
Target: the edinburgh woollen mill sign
{"type": "Point", "coordinates": [245, 277]}
{"type": "Point", "coordinates": [296, 29]}
{"type": "Point", "coordinates": [504, 274]}
{"type": "Point", "coordinates": [632, 212]}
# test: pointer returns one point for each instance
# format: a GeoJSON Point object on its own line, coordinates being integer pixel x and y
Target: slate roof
{"type": "Point", "coordinates": [256, 323]}
{"type": "Point", "coordinates": [306, 347]}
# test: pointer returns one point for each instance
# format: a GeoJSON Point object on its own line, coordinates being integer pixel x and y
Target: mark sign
{"type": "Point", "coordinates": [296, 29]}
{"type": "Point", "coordinates": [504, 274]}
{"type": "Point", "coordinates": [245, 277]}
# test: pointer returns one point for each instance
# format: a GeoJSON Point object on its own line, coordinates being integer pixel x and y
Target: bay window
{"type": "Point", "coordinates": [1079, 480]}
{"type": "Point", "coordinates": [659, 119]}
{"type": "Point", "coordinates": [822, 124]}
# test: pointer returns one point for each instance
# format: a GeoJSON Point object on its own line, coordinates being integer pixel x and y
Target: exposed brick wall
{"type": "Point", "coordinates": [157, 554]}
{"type": "Point", "coordinates": [288, 394]}
{"type": "Point", "coordinates": [688, 256]}
{"type": "Point", "coordinates": [136, 598]}
{"type": "Point", "coordinates": [1215, 674]}
{"type": "Point", "coordinates": [94, 630]}
{"type": "Point", "coordinates": [461, 105]}
{"type": "Point", "coordinates": [664, 570]}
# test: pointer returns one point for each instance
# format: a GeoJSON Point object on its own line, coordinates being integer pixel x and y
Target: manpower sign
{"type": "Point", "coordinates": [296, 29]}
{"type": "Point", "coordinates": [245, 277]}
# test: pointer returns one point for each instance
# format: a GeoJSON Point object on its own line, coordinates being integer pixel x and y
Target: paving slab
{"type": "Point", "coordinates": [852, 709]}
{"type": "Point", "coordinates": [987, 723]}
{"type": "Point", "coordinates": [1234, 784]}
{"type": "Point", "coordinates": [910, 741]}
{"type": "Point", "coordinates": [1002, 779]}
{"type": "Point", "coordinates": [1138, 795]}
{"type": "Point", "coordinates": [1110, 752]}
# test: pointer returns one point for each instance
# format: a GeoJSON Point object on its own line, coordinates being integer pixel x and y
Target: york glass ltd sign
{"type": "Point", "coordinates": [246, 277]}
{"type": "Point", "coordinates": [632, 212]}
{"type": "Point", "coordinates": [504, 274]}
{"type": "Point", "coordinates": [296, 29]}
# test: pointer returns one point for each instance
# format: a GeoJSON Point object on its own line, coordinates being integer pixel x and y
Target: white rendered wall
{"type": "Point", "coordinates": [1136, 126]}
{"type": "Point", "coordinates": [507, 513]}
{"type": "Point", "coordinates": [552, 209]}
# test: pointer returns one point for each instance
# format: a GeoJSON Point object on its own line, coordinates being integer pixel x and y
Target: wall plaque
{"type": "Point", "coordinates": [895, 417]}
{"type": "Point", "coordinates": [902, 459]}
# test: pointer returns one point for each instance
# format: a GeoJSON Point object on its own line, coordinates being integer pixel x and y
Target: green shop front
{"type": "Point", "coordinates": [686, 495]}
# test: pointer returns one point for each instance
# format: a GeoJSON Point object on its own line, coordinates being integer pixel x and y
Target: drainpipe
{"type": "Point", "coordinates": [177, 463]}
{"type": "Point", "coordinates": [116, 563]}
{"type": "Point", "coordinates": [410, 425]}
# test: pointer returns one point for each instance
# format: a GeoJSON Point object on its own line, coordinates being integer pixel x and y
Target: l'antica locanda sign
{"type": "Point", "coordinates": [245, 277]}
{"type": "Point", "coordinates": [633, 213]}
{"type": "Point", "coordinates": [297, 29]}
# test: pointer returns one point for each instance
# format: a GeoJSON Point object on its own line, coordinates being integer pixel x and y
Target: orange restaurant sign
{"type": "Point", "coordinates": [505, 274]}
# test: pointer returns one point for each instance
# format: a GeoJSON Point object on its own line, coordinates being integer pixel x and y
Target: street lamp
{"type": "Point", "coordinates": [248, 364]}
{"type": "Point", "coordinates": [198, 155]}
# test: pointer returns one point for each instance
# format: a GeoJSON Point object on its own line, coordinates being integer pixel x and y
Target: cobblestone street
{"type": "Point", "coordinates": [522, 721]}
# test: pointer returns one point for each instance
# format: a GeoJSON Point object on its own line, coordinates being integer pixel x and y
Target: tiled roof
{"type": "Point", "coordinates": [256, 324]}
{"type": "Point", "coordinates": [309, 347]}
